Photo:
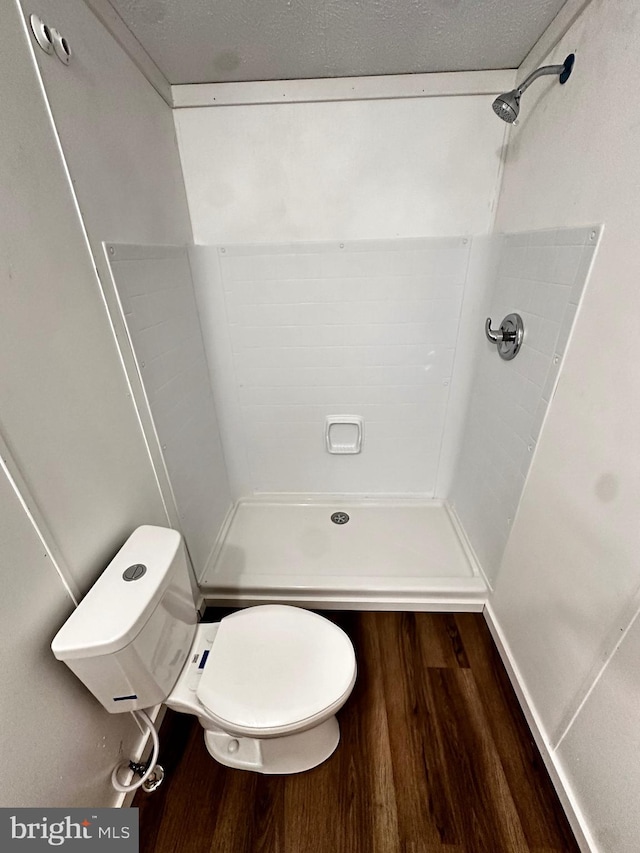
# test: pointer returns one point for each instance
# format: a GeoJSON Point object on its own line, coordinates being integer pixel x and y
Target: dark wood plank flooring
{"type": "Point", "coordinates": [435, 757]}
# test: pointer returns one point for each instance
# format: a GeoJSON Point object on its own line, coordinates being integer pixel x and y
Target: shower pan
{"type": "Point", "coordinates": [386, 554]}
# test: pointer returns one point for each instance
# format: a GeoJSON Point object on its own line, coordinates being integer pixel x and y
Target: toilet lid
{"type": "Point", "coordinates": [272, 666]}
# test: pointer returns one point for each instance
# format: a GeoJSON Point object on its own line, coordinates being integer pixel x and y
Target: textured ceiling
{"type": "Point", "coordinates": [208, 41]}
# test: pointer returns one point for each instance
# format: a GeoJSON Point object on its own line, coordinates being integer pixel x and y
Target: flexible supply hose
{"type": "Point", "coordinates": [143, 717]}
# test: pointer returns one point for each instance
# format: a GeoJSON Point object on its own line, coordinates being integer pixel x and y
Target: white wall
{"type": "Point", "coordinates": [119, 146]}
{"type": "Point", "coordinates": [541, 276]}
{"type": "Point", "coordinates": [600, 751]}
{"type": "Point", "coordinates": [58, 746]}
{"type": "Point", "coordinates": [156, 293]}
{"type": "Point", "coordinates": [569, 581]}
{"type": "Point", "coordinates": [73, 444]}
{"type": "Point", "coordinates": [90, 470]}
{"type": "Point", "coordinates": [116, 131]}
{"type": "Point", "coordinates": [337, 170]}
{"type": "Point", "coordinates": [348, 170]}
{"type": "Point", "coordinates": [300, 332]}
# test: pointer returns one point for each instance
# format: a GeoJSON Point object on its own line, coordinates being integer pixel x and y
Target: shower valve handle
{"type": "Point", "coordinates": [508, 337]}
{"type": "Point", "coordinates": [494, 335]}
{"type": "Point", "coordinates": [497, 335]}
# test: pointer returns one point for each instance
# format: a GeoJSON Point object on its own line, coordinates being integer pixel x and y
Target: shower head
{"type": "Point", "coordinates": [507, 105]}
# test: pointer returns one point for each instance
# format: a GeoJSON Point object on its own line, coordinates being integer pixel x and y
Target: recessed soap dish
{"type": "Point", "coordinates": [343, 434]}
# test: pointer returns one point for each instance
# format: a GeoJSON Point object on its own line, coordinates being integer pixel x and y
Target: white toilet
{"type": "Point", "coordinates": [265, 682]}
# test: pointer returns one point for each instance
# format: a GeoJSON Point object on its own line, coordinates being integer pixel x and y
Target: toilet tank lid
{"type": "Point", "coordinates": [114, 610]}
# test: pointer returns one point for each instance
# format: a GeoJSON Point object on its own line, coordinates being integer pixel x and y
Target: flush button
{"type": "Point", "coordinates": [134, 573]}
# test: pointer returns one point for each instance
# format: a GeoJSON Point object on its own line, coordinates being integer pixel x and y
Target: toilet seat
{"type": "Point", "coordinates": [274, 669]}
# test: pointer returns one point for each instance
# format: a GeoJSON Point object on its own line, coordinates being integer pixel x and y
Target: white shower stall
{"type": "Point", "coordinates": [247, 353]}
{"type": "Point", "coordinates": [344, 264]}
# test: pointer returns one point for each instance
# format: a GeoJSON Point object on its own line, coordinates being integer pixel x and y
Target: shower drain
{"type": "Point", "coordinates": [339, 518]}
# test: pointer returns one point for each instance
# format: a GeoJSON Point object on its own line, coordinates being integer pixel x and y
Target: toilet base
{"type": "Point", "coordinates": [278, 755]}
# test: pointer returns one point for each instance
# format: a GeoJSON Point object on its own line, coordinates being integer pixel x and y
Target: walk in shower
{"type": "Point", "coordinates": [281, 385]}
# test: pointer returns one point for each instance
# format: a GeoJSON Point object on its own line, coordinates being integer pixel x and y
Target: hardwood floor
{"type": "Point", "coordinates": [435, 757]}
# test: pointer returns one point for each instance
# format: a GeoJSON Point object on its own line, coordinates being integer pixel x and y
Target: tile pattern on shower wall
{"type": "Point", "coordinates": [541, 276]}
{"type": "Point", "coordinates": [363, 328]}
{"type": "Point", "coordinates": [156, 293]}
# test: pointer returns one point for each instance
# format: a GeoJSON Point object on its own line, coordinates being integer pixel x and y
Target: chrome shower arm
{"type": "Point", "coordinates": [539, 72]}
{"type": "Point", "coordinates": [563, 71]}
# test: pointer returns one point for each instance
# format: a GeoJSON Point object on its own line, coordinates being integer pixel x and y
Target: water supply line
{"type": "Point", "coordinates": [151, 774]}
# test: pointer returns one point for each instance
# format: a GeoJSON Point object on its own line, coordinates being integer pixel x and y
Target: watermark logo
{"type": "Point", "coordinates": [69, 829]}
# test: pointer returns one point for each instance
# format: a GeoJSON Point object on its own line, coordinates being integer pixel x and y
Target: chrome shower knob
{"type": "Point", "coordinates": [508, 337]}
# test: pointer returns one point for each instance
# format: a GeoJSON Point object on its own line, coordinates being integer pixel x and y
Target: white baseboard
{"type": "Point", "coordinates": [554, 768]}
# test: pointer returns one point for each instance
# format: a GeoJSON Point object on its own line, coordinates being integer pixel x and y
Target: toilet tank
{"type": "Point", "coordinates": [132, 632]}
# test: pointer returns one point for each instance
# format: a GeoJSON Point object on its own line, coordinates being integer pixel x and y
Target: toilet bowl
{"type": "Point", "coordinates": [271, 683]}
{"type": "Point", "coordinates": [265, 682]}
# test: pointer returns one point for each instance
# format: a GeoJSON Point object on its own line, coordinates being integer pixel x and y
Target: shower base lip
{"type": "Point", "coordinates": [361, 601]}
{"type": "Point", "coordinates": [393, 553]}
